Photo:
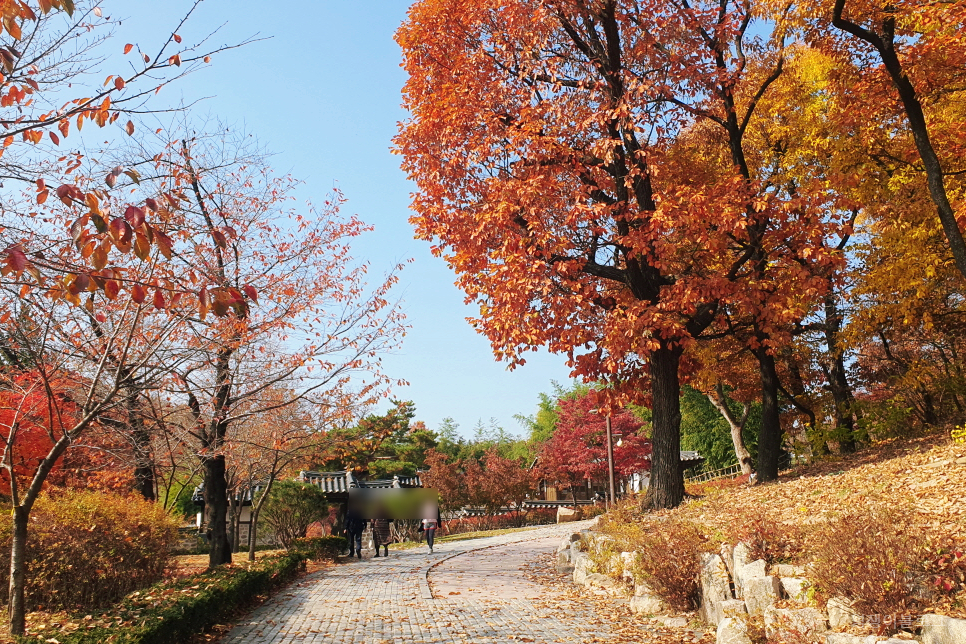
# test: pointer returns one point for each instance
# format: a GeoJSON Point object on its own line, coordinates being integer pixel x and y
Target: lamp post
{"type": "Point", "coordinates": [610, 462]}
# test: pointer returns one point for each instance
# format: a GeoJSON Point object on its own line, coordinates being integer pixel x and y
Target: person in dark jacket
{"type": "Point", "coordinates": [381, 535]}
{"type": "Point", "coordinates": [355, 525]}
{"type": "Point", "coordinates": [430, 524]}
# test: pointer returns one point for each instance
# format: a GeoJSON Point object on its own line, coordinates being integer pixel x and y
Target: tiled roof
{"type": "Point", "coordinates": [335, 482]}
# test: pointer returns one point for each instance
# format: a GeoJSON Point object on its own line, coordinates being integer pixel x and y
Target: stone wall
{"type": "Point", "coordinates": [734, 591]}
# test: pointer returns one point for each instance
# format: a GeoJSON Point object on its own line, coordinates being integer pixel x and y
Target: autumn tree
{"type": "Point", "coordinates": [587, 171]}
{"type": "Point", "coordinates": [578, 449]}
{"type": "Point", "coordinates": [81, 295]}
{"type": "Point", "coordinates": [920, 49]}
{"type": "Point", "coordinates": [446, 477]}
{"type": "Point", "coordinates": [280, 303]}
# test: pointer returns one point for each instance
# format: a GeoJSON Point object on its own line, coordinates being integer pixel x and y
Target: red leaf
{"type": "Point", "coordinates": [127, 48]}
{"type": "Point", "coordinates": [219, 239]}
{"type": "Point", "coordinates": [129, 128]}
{"type": "Point", "coordinates": [134, 215]}
{"type": "Point", "coordinates": [159, 302]}
{"type": "Point", "coordinates": [119, 83]}
{"type": "Point", "coordinates": [16, 259]}
{"type": "Point", "coordinates": [251, 292]}
{"type": "Point", "coordinates": [177, 38]}
{"type": "Point", "coordinates": [138, 294]}
{"type": "Point", "coordinates": [120, 230]}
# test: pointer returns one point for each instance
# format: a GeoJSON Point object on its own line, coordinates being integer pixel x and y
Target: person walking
{"type": "Point", "coordinates": [429, 525]}
{"type": "Point", "coordinates": [381, 535]}
{"type": "Point", "coordinates": [355, 525]}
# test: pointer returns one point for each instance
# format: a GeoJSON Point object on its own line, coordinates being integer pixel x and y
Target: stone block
{"type": "Point", "coordinates": [628, 561]}
{"type": "Point", "coordinates": [786, 570]}
{"type": "Point", "coordinates": [603, 582]}
{"type": "Point", "coordinates": [581, 562]}
{"type": "Point", "coordinates": [732, 631]}
{"type": "Point", "coordinates": [761, 593]}
{"type": "Point", "coordinates": [787, 623]}
{"type": "Point", "coordinates": [734, 608]}
{"type": "Point", "coordinates": [565, 515]}
{"type": "Point", "coordinates": [796, 589]}
{"type": "Point", "coordinates": [564, 564]}
{"type": "Point", "coordinates": [840, 613]}
{"type": "Point", "coordinates": [939, 629]}
{"type": "Point", "coordinates": [740, 557]}
{"type": "Point", "coordinates": [846, 638]}
{"type": "Point", "coordinates": [646, 604]}
{"type": "Point", "coordinates": [715, 587]}
{"type": "Point", "coordinates": [757, 568]}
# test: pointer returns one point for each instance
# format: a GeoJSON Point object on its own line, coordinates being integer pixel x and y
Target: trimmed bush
{"type": "Point", "coordinates": [321, 548]}
{"type": "Point", "coordinates": [291, 508]}
{"type": "Point", "coordinates": [173, 612]}
{"type": "Point", "coordinates": [88, 549]}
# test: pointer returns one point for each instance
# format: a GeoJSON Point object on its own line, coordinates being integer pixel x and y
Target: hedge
{"type": "Point", "coordinates": [89, 549]}
{"type": "Point", "coordinates": [172, 612]}
{"type": "Point", "coordinates": [321, 548]}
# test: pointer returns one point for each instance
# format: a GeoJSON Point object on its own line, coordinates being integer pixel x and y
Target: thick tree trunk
{"type": "Point", "coordinates": [770, 434]}
{"type": "Point", "coordinates": [216, 511]}
{"type": "Point", "coordinates": [838, 381]}
{"type": "Point", "coordinates": [720, 401]}
{"type": "Point", "coordinates": [18, 562]}
{"type": "Point", "coordinates": [667, 478]}
{"type": "Point", "coordinates": [144, 475]}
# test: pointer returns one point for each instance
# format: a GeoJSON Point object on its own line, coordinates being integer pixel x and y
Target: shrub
{"type": "Point", "coordinates": [668, 561]}
{"type": "Point", "coordinates": [535, 516]}
{"type": "Point", "coordinates": [872, 558]}
{"type": "Point", "coordinates": [321, 548]}
{"type": "Point", "coordinates": [175, 611]}
{"type": "Point", "coordinates": [770, 540]}
{"type": "Point", "coordinates": [89, 549]}
{"type": "Point", "coordinates": [945, 566]}
{"type": "Point", "coordinates": [291, 508]}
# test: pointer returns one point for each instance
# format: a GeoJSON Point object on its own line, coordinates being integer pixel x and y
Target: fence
{"type": "Point", "coordinates": [725, 472]}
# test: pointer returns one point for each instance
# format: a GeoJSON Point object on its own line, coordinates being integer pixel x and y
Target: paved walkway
{"type": "Point", "coordinates": [462, 593]}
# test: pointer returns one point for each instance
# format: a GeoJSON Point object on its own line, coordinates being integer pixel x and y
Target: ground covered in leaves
{"type": "Point", "coordinates": [917, 484]}
{"type": "Point", "coordinates": [612, 613]}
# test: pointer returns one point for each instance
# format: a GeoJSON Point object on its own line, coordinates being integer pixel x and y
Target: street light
{"type": "Point", "coordinates": [610, 462]}
{"type": "Point", "coordinates": [610, 459]}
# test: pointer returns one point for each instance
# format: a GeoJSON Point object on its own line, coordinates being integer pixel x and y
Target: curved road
{"type": "Point", "coordinates": [476, 591]}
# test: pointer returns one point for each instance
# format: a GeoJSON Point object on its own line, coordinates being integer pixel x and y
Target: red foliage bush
{"type": "Point", "coordinates": [89, 549]}
{"type": "Point", "coordinates": [537, 516]}
{"type": "Point", "coordinates": [770, 540]}
{"type": "Point", "coordinates": [668, 561]}
{"type": "Point", "coordinates": [872, 558]}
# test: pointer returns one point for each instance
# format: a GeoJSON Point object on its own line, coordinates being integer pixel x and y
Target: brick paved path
{"type": "Point", "coordinates": [481, 597]}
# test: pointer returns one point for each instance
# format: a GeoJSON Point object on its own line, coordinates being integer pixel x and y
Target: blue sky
{"type": "Point", "coordinates": [323, 93]}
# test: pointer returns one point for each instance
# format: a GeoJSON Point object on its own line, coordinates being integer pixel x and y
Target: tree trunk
{"type": "Point", "coordinates": [18, 562]}
{"type": "Point", "coordinates": [667, 478]}
{"type": "Point", "coordinates": [144, 475]}
{"type": "Point", "coordinates": [216, 511]}
{"type": "Point", "coordinates": [838, 381]}
{"type": "Point", "coordinates": [770, 434]}
{"type": "Point", "coordinates": [720, 401]}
